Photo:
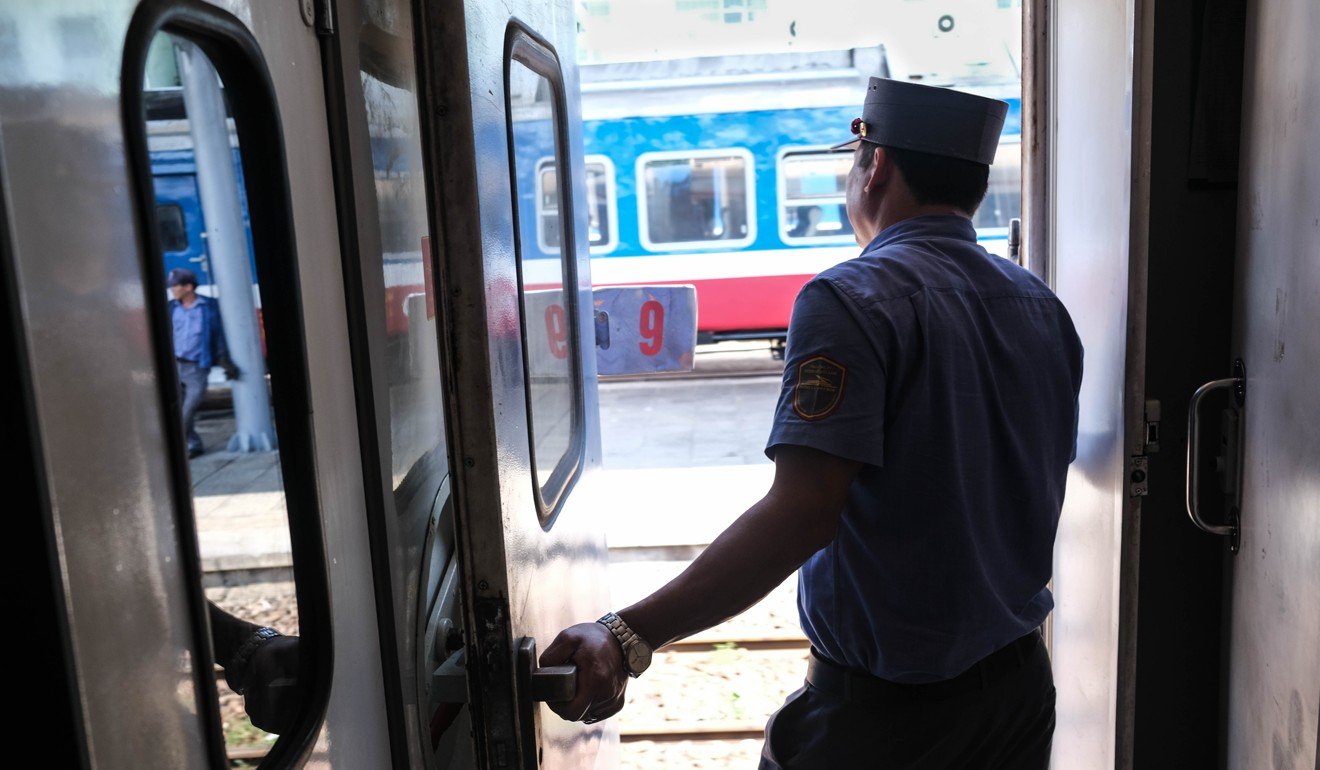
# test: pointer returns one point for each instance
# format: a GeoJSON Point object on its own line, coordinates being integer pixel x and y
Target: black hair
{"type": "Point", "coordinates": [936, 178]}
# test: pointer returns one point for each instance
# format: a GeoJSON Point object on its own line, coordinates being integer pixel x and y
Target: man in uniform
{"type": "Point", "coordinates": [921, 444]}
{"type": "Point", "coordinates": [199, 344]}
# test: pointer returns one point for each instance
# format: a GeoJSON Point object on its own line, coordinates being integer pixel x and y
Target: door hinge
{"type": "Point", "coordinates": [319, 15]}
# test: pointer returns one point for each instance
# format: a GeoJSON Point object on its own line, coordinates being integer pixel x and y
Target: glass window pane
{"type": "Point", "coordinates": [693, 200]}
{"type": "Point", "coordinates": [548, 309]}
{"type": "Point", "coordinates": [218, 335]}
{"type": "Point", "coordinates": [814, 194]}
{"type": "Point", "coordinates": [412, 363]}
{"type": "Point", "coordinates": [547, 206]}
{"type": "Point", "coordinates": [599, 227]}
{"type": "Point", "coordinates": [173, 231]}
{"type": "Point", "coordinates": [598, 210]}
{"type": "Point", "coordinates": [1003, 199]}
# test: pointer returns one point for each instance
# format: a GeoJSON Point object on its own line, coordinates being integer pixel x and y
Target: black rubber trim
{"type": "Point", "coordinates": [52, 710]}
{"type": "Point", "coordinates": [538, 55]}
{"type": "Point", "coordinates": [359, 348]}
{"type": "Point", "coordinates": [237, 58]}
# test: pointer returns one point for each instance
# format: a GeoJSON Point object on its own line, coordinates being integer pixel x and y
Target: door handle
{"type": "Point", "coordinates": [548, 684]}
{"type": "Point", "coordinates": [544, 683]}
{"type": "Point", "coordinates": [1238, 385]}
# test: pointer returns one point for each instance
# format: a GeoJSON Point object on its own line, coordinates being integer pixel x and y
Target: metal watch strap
{"type": "Point", "coordinates": [235, 669]}
{"type": "Point", "coordinates": [626, 636]}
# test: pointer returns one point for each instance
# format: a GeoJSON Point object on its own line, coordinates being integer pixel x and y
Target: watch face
{"type": "Point", "coordinates": [639, 658]}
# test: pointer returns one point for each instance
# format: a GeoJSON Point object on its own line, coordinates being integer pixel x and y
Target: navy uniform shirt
{"type": "Point", "coordinates": [952, 375]}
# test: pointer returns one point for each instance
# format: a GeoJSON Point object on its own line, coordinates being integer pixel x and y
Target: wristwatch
{"type": "Point", "coordinates": [236, 668]}
{"type": "Point", "coordinates": [636, 652]}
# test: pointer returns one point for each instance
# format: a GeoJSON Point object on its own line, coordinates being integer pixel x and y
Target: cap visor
{"type": "Point", "coordinates": [851, 144]}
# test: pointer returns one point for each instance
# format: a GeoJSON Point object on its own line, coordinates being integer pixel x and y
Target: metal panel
{"type": "Point", "coordinates": [98, 403]}
{"type": "Point", "coordinates": [355, 734]}
{"type": "Point", "coordinates": [523, 580]}
{"type": "Point", "coordinates": [1274, 672]}
{"type": "Point", "coordinates": [1090, 101]}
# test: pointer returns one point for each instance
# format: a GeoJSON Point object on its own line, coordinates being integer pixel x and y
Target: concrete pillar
{"type": "Point", "coordinates": [226, 238]}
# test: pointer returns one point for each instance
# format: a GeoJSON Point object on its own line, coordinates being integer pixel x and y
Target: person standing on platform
{"type": "Point", "coordinates": [921, 444]}
{"type": "Point", "coordinates": [199, 344]}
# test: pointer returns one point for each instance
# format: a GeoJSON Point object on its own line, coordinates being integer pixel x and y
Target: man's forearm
{"type": "Point", "coordinates": [228, 633]}
{"type": "Point", "coordinates": [764, 546]}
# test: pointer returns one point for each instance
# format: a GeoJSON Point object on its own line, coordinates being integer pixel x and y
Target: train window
{"type": "Point", "coordinates": [233, 364]}
{"type": "Point", "coordinates": [173, 231]}
{"type": "Point", "coordinates": [547, 283]}
{"type": "Point", "coordinates": [696, 200]}
{"type": "Point", "coordinates": [811, 196]}
{"type": "Point", "coordinates": [600, 205]}
{"type": "Point", "coordinates": [1003, 199]}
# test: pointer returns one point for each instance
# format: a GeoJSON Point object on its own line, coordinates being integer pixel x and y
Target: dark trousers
{"type": "Point", "coordinates": [1000, 716]}
{"type": "Point", "coordinates": [192, 380]}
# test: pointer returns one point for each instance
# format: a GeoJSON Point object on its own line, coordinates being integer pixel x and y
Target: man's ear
{"type": "Point", "coordinates": [878, 173]}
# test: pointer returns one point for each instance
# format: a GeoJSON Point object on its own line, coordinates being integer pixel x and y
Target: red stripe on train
{"type": "Point", "coordinates": [723, 304]}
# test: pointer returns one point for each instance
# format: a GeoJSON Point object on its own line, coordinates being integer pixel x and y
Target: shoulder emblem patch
{"type": "Point", "coordinates": [819, 387]}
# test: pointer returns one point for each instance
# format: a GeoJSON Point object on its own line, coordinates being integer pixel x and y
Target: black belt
{"type": "Point", "coordinates": [184, 360]}
{"type": "Point", "coordinates": [857, 687]}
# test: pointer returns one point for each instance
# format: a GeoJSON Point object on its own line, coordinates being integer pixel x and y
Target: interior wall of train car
{"type": "Point", "coordinates": [1273, 673]}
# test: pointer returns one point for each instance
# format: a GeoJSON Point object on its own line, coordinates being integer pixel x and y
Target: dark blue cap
{"type": "Point", "coordinates": [938, 121]}
{"type": "Point", "coordinates": [179, 276]}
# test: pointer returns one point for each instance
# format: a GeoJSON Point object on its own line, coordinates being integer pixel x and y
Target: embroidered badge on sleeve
{"type": "Point", "coordinates": [819, 387]}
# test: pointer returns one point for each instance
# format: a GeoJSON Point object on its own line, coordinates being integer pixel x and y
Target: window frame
{"type": "Point", "coordinates": [529, 50]}
{"type": "Point", "coordinates": [781, 199]}
{"type": "Point", "coordinates": [611, 206]}
{"type": "Point", "coordinates": [238, 59]}
{"type": "Point", "coordinates": [644, 222]}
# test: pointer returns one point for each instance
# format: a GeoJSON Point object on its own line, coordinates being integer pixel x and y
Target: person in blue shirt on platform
{"type": "Point", "coordinates": [921, 444]}
{"type": "Point", "coordinates": [199, 344]}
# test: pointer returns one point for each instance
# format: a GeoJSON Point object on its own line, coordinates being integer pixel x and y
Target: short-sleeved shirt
{"type": "Point", "coordinates": [952, 375]}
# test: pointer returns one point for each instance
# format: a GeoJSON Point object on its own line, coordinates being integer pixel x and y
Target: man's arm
{"type": "Point", "coordinates": [220, 346]}
{"type": "Point", "coordinates": [796, 518]}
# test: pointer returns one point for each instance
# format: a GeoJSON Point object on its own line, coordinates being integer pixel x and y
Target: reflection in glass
{"type": "Point", "coordinates": [547, 311]}
{"type": "Point", "coordinates": [412, 355]}
{"type": "Point", "coordinates": [1003, 199]}
{"type": "Point", "coordinates": [690, 200]}
{"type": "Point", "coordinates": [217, 340]}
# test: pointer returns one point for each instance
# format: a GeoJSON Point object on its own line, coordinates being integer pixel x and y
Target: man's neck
{"type": "Point", "coordinates": [189, 300]}
{"type": "Point", "coordinates": [888, 215]}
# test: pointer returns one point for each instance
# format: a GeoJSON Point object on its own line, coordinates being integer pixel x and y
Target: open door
{"type": "Point", "coordinates": [518, 344]}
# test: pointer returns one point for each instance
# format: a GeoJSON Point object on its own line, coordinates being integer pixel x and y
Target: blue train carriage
{"type": "Point", "coordinates": [178, 206]}
{"type": "Point", "coordinates": [723, 181]}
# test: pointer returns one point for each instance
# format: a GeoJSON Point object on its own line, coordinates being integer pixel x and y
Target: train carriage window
{"type": "Point", "coordinates": [600, 205]}
{"type": "Point", "coordinates": [1003, 199]}
{"type": "Point", "coordinates": [696, 200]}
{"type": "Point", "coordinates": [811, 196]}
{"type": "Point", "coordinates": [232, 362]}
{"type": "Point", "coordinates": [548, 282]}
{"type": "Point", "coordinates": [173, 230]}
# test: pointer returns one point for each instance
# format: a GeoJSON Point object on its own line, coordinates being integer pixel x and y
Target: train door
{"type": "Point", "coordinates": [84, 266]}
{"type": "Point", "coordinates": [519, 346]}
{"type": "Point", "coordinates": [1273, 677]}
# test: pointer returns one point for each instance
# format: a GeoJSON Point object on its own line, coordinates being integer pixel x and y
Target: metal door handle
{"type": "Point", "coordinates": [549, 683]}
{"type": "Point", "coordinates": [1193, 454]}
